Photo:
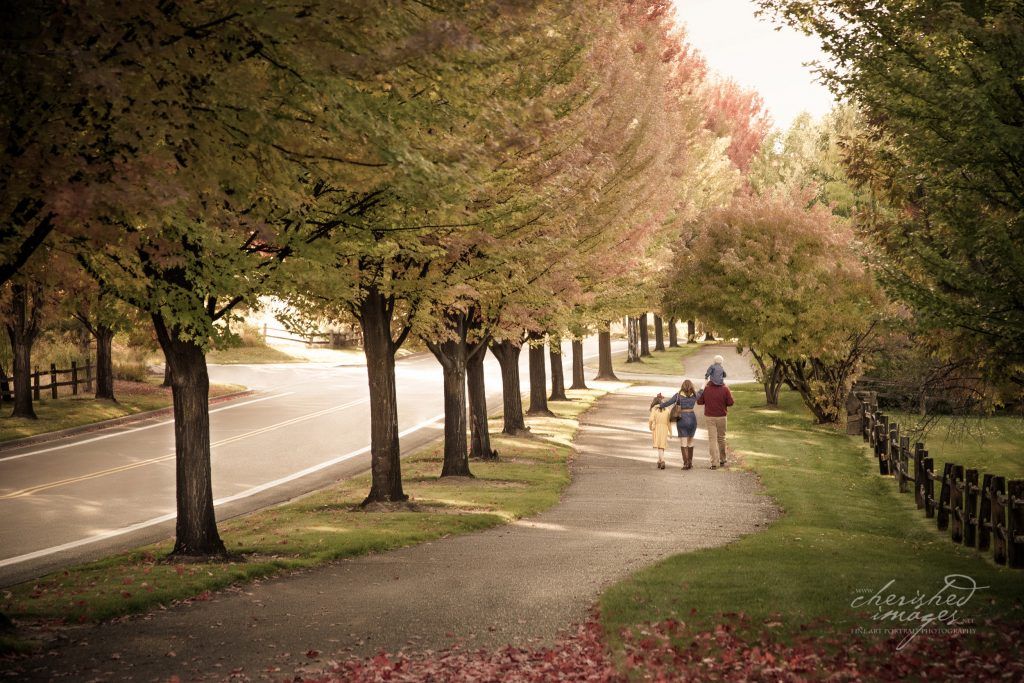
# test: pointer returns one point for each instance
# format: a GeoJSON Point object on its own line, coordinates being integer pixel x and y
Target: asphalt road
{"type": "Point", "coordinates": [87, 496]}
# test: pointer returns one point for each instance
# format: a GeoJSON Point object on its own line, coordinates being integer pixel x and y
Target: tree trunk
{"type": "Point", "coordinates": [708, 336]}
{"type": "Point", "coordinates": [22, 329]}
{"type": "Point", "coordinates": [578, 380]}
{"type": "Point", "coordinates": [797, 372]}
{"type": "Point", "coordinates": [644, 337]}
{"type": "Point", "coordinates": [84, 340]}
{"type": "Point", "coordinates": [538, 377]}
{"type": "Point", "coordinates": [659, 334]}
{"type": "Point", "coordinates": [105, 362]}
{"type": "Point", "coordinates": [379, 349]}
{"type": "Point", "coordinates": [772, 387]}
{"type": "Point", "coordinates": [770, 377]}
{"type": "Point", "coordinates": [452, 356]}
{"type": "Point", "coordinates": [5, 386]}
{"type": "Point", "coordinates": [167, 375]}
{"type": "Point", "coordinates": [673, 337]}
{"type": "Point", "coordinates": [604, 355]}
{"type": "Point", "coordinates": [196, 531]}
{"type": "Point", "coordinates": [557, 372]}
{"type": "Point", "coordinates": [691, 331]}
{"type": "Point", "coordinates": [507, 354]}
{"type": "Point", "coordinates": [632, 340]}
{"type": "Point", "coordinates": [479, 430]}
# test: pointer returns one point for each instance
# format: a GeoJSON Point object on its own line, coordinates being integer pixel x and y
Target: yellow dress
{"type": "Point", "coordinates": [658, 423]}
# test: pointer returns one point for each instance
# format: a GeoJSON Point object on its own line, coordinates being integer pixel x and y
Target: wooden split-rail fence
{"type": "Point", "coordinates": [54, 378]}
{"type": "Point", "coordinates": [981, 511]}
{"type": "Point", "coordinates": [334, 340]}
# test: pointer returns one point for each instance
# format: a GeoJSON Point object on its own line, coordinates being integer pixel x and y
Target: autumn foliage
{"type": "Point", "coordinates": [740, 115]}
{"type": "Point", "coordinates": [673, 651]}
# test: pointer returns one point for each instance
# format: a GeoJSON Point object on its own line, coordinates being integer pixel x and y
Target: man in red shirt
{"type": "Point", "coordinates": [716, 401]}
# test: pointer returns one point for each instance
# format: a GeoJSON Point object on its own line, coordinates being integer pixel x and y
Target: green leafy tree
{"type": "Point", "coordinates": [193, 195]}
{"type": "Point", "coordinates": [938, 85]}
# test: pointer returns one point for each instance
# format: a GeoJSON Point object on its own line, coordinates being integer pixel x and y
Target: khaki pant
{"type": "Point", "coordinates": [716, 438]}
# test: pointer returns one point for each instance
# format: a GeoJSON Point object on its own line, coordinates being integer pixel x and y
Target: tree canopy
{"type": "Point", "coordinates": [942, 152]}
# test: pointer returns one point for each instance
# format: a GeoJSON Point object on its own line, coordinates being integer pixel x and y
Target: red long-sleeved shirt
{"type": "Point", "coordinates": [716, 400]}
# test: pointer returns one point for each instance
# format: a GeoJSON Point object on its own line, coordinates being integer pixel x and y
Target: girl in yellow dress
{"type": "Point", "coordinates": [658, 423]}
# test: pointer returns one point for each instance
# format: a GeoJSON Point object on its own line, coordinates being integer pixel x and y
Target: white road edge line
{"type": "Point", "coordinates": [135, 429]}
{"type": "Point", "coordinates": [220, 501]}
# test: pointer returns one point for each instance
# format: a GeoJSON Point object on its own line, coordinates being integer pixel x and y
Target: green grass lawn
{"type": "Point", "coordinates": [66, 412]}
{"type": "Point", "coordinates": [250, 354]}
{"type": "Point", "coordinates": [668, 362]}
{"type": "Point", "coordinates": [994, 445]}
{"type": "Point", "coordinates": [324, 526]}
{"type": "Point", "coordinates": [844, 530]}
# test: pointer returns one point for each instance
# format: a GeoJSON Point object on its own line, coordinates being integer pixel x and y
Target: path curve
{"type": "Point", "coordinates": [511, 584]}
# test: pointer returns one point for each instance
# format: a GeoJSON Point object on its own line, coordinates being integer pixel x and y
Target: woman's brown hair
{"type": "Point", "coordinates": [687, 388]}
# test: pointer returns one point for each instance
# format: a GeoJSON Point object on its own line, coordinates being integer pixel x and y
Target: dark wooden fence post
{"type": "Point", "coordinates": [942, 507]}
{"type": "Point", "coordinates": [882, 443]}
{"type": "Point", "coordinates": [918, 474]}
{"type": "Point", "coordinates": [985, 513]}
{"type": "Point", "coordinates": [35, 385]}
{"type": "Point", "coordinates": [88, 375]}
{"type": "Point", "coordinates": [74, 378]}
{"type": "Point", "coordinates": [53, 380]}
{"type": "Point", "coordinates": [893, 450]}
{"type": "Point", "coordinates": [864, 428]}
{"type": "Point", "coordinates": [956, 504]}
{"type": "Point", "coordinates": [999, 520]}
{"type": "Point", "coordinates": [929, 485]}
{"type": "Point", "coordinates": [971, 508]}
{"type": "Point", "coordinates": [904, 475]}
{"type": "Point", "coordinates": [1015, 523]}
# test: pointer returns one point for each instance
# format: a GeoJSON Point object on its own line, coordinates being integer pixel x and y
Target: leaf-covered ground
{"type": "Point", "coordinates": [672, 651]}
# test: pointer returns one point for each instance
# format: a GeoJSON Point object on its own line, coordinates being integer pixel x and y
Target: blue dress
{"type": "Point", "coordinates": [686, 425]}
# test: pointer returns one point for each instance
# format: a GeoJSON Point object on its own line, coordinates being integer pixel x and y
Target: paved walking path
{"type": "Point", "coordinates": [511, 584]}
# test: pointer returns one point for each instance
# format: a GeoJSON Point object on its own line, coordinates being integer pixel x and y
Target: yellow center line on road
{"type": "Point", "coordinates": [164, 458]}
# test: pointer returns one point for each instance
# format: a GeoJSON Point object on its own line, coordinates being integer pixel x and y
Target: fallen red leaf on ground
{"type": "Point", "coordinates": [672, 651]}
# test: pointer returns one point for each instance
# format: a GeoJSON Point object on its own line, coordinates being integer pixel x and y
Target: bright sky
{"type": "Point", "coordinates": [749, 50]}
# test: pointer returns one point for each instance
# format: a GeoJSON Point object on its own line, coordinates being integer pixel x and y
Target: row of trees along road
{"type": "Point", "coordinates": [475, 176]}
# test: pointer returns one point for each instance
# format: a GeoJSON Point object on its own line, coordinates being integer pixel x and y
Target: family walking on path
{"type": "Point", "coordinates": [716, 399]}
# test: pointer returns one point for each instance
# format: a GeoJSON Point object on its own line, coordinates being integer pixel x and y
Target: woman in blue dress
{"type": "Point", "coordinates": [686, 425]}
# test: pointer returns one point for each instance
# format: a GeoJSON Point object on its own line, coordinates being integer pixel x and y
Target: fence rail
{"type": "Point", "coordinates": [77, 375]}
{"type": "Point", "coordinates": [333, 340]}
{"type": "Point", "coordinates": [985, 516]}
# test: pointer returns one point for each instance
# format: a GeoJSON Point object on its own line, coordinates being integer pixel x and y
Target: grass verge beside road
{"type": "Point", "coordinates": [671, 361]}
{"type": "Point", "coordinates": [66, 412]}
{"type": "Point", "coordinates": [250, 354]}
{"type": "Point", "coordinates": [845, 532]}
{"type": "Point", "coordinates": [321, 527]}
